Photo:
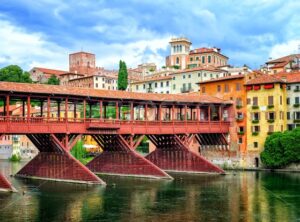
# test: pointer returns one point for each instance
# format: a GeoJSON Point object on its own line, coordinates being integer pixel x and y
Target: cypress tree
{"type": "Point", "coordinates": [122, 76]}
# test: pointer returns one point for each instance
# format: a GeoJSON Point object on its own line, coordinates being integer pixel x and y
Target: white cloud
{"type": "Point", "coordinates": [285, 48]}
{"type": "Point", "coordinates": [20, 47]}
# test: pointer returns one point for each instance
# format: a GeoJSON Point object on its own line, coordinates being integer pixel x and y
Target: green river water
{"type": "Point", "coordinates": [237, 196]}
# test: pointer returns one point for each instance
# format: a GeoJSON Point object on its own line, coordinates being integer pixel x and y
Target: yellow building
{"type": "Point", "coordinates": [266, 113]}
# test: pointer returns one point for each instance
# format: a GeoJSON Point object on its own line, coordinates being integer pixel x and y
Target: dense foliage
{"type": "Point", "coordinates": [122, 76]}
{"type": "Point", "coordinates": [15, 158]}
{"type": "Point", "coordinates": [281, 149]}
{"type": "Point", "coordinates": [14, 73]}
{"type": "Point", "coordinates": [53, 80]}
{"type": "Point", "coordinates": [78, 151]}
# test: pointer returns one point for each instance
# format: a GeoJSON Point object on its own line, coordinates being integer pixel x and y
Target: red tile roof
{"type": "Point", "coordinates": [222, 79]}
{"type": "Point", "coordinates": [264, 79]}
{"type": "Point", "coordinates": [157, 78]}
{"type": "Point", "coordinates": [43, 89]}
{"type": "Point", "coordinates": [206, 50]}
{"type": "Point", "coordinates": [50, 71]}
{"type": "Point", "coordinates": [284, 59]}
{"type": "Point", "coordinates": [289, 77]}
{"type": "Point", "coordinates": [209, 68]}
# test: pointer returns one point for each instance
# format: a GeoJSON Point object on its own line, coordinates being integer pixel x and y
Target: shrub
{"type": "Point", "coordinates": [281, 149]}
{"type": "Point", "coordinates": [15, 158]}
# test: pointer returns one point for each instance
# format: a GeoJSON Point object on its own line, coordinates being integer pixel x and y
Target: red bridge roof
{"type": "Point", "coordinates": [108, 94]}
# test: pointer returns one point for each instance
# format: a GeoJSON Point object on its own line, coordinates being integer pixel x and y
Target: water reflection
{"type": "Point", "coordinates": [245, 196]}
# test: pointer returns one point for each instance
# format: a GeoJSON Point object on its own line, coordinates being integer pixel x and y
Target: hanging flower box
{"type": "Point", "coordinates": [268, 86]}
{"type": "Point", "coordinates": [256, 87]}
{"type": "Point", "coordinates": [248, 88]}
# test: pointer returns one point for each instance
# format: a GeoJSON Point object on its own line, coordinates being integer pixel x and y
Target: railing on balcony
{"type": "Point", "coordinates": [186, 90]}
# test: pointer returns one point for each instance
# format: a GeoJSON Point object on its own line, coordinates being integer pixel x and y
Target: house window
{"type": "Point", "coordinates": [199, 74]}
{"type": "Point", "coordinates": [183, 76]}
{"type": "Point", "coordinates": [271, 116]}
{"type": "Point", "coordinates": [167, 83]}
{"type": "Point", "coordinates": [226, 88]}
{"type": "Point", "coordinates": [197, 58]}
{"type": "Point", "coordinates": [162, 84]}
{"type": "Point", "coordinates": [241, 129]}
{"type": "Point", "coordinates": [211, 75]}
{"type": "Point", "coordinates": [203, 59]}
{"type": "Point", "coordinates": [218, 88]}
{"type": "Point", "coordinates": [271, 128]}
{"type": "Point", "coordinates": [191, 59]}
{"type": "Point", "coordinates": [255, 116]}
{"type": "Point", "coordinates": [270, 100]}
{"type": "Point", "coordinates": [240, 140]}
{"type": "Point", "coordinates": [255, 144]}
{"type": "Point", "coordinates": [209, 59]}
{"type": "Point", "coordinates": [204, 74]}
{"type": "Point", "coordinates": [238, 87]}
{"type": "Point", "coordinates": [255, 128]}
{"type": "Point", "coordinates": [167, 92]}
{"type": "Point", "coordinates": [190, 86]}
{"type": "Point", "coordinates": [288, 101]}
{"type": "Point", "coordinates": [239, 102]}
{"type": "Point", "coordinates": [174, 86]}
{"type": "Point", "coordinates": [255, 101]}
{"type": "Point", "coordinates": [173, 77]}
{"type": "Point", "coordinates": [288, 115]}
{"type": "Point", "coordinates": [203, 89]}
{"type": "Point", "coordinates": [296, 100]}
{"type": "Point", "coordinates": [96, 85]}
{"type": "Point", "coordinates": [189, 76]}
{"type": "Point", "coordinates": [144, 86]}
{"type": "Point", "coordinates": [288, 87]}
{"type": "Point", "coordinates": [297, 115]}
{"type": "Point", "coordinates": [155, 85]}
{"type": "Point", "coordinates": [280, 100]}
{"type": "Point", "coordinates": [248, 101]}
{"type": "Point", "coordinates": [177, 60]}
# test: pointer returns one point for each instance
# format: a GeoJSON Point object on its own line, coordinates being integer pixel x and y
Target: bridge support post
{"type": "Point", "coordinates": [119, 158]}
{"type": "Point", "coordinates": [54, 161]}
{"type": "Point", "coordinates": [5, 185]}
{"type": "Point", "coordinates": [172, 154]}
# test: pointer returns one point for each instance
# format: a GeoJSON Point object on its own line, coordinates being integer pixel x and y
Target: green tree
{"type": "Point", "coordinates": [281, 149]}
{"type": "Point", "coordinates": [14, 73]}
{"type": "Point", "coordinates": [78, 151]}
{"type": "Point", "coordinates": [122, 76]}
{"type": "Point", "coordinates": [53, 80]}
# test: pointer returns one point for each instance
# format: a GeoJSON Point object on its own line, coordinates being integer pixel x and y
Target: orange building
{"type": "Point", "coordinates": [231, 88]}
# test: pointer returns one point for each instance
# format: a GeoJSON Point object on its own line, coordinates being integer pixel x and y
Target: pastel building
{"type": "Point", "coordinates": [283, 64]}
{"type": "Point", "coordinates": [41, 75]}
{"type": "Point", "coordinates": [185, 81]}
{"type": "Point", "coordinates": [266, 113]}
{"type": "Point", "coordinates": [6, 148]}
{"type": "Point", "coordinates": [159, 84]}
{"type": "Point", "coordinates": [292, 80]}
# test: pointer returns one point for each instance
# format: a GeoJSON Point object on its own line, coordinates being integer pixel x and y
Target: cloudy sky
{"type": "Point", "coordinates": [44, 32]}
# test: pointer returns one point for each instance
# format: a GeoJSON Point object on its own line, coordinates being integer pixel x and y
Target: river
{"type": "Point", "coordinates": [237, 196]}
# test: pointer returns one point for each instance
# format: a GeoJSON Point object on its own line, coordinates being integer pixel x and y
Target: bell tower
{"type": "Point", "coordinates": [180, 48]}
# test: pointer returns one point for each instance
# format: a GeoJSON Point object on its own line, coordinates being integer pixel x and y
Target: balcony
{"type": "Point", "coordinates": [255, 121]}
{"type": "Point", "coordinates": [296, 120]}
{"type": "Point", "coordinates": [255, 107]}
{"type": "Point", "coordinates": [296, 105]}
{"type": "Point", "coordinates": [270, 106]}
{"type": "Point", "coordinates": [241, 133]}
{"type": "Point", "coordinates": [149, 90]}
{"type": "Point", "coordinates": [238, 106]}
{"type": "Point", "coordinates": [271, 120]}
{"type": "Point", "coordinates": [239, 118]}
{"type": "Point", "coordinates": [255, 133]}
{"type": "Point", "coordinates": [186, 90]}
{"type": "Point", "coordinates": [270, 132]}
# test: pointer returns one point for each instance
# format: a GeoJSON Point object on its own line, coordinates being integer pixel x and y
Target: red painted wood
{"type": "Point", "coordinates": [125, 163]}
{"type": "Point", "coordinates": [173, 155]}
{"type": "Point", "coordinates": [5, 185]}
{"type": "Point", "coordinates": [119, 158]}
{"type": "Point", "coordinates": [58, 166]}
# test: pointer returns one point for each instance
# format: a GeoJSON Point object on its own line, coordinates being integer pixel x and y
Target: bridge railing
{"type": "Point", "coordinates": [18, 119]}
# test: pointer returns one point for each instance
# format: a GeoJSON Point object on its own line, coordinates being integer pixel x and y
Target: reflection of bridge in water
{"type": "Point", "coordinates": [118, 121]}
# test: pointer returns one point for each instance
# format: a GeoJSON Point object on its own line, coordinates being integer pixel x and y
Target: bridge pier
{"type": "Point", "coordinates": [5, 185]}
{"type": "Point", "coordinates": [172, 154]}
{"type": "Point", "coordinates": [54, 161]}
{"type": "Point", "coordinates": [119, 158]}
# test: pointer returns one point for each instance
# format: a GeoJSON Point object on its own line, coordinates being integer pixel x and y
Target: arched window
{"type": "Point", "coordinates": [209, 59]}
{"type": "Point", "coordinates": [177, 60]}
{"type": "Point", "coordinates": [180, 48]}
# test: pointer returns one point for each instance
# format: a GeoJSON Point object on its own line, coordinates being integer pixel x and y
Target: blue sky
{"type": "Point", "coordinates": [44, 32]}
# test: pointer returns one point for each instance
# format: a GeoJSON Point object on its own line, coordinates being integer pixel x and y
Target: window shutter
{"type": "Point", "coordinates": [258, 116]}
{"type": "Point", "coordinates": [274, 115]}
{"type": "Point", "coordinates": [267, 115]}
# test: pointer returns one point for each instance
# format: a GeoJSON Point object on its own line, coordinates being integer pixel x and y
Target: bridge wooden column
{"type": "Point", "coordinates": [119, 158]}
{"type": "Point", "coordinates": [54, 161]}
{"type": "Point", "coordinates": [172, 154]}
